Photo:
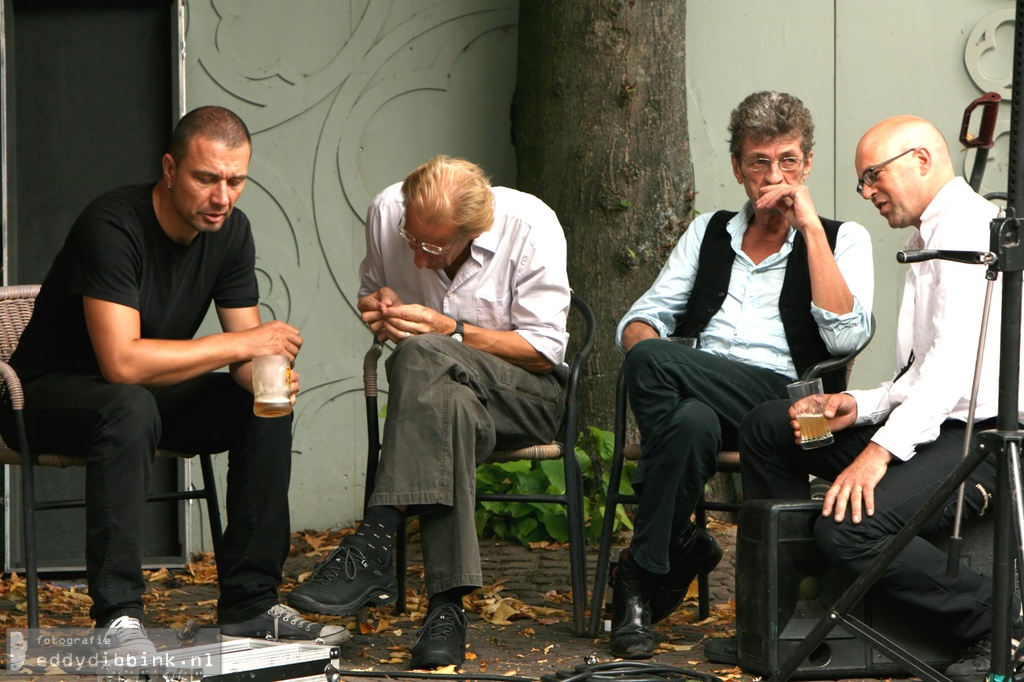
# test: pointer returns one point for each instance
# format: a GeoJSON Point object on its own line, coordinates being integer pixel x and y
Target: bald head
{"type": "Point", "coordinates": [903, 188]}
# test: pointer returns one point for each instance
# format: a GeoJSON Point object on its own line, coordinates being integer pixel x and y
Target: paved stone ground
{"type": "Point", "coordinates": [529, 586]}
{"type": "Point", "coordinates": [530, 648]}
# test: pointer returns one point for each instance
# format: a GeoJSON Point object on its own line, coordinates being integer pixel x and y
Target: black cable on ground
{"type": "Point", "coordinates": [618, 671]}
{"type": "Point", "coordinates": [627, 671]}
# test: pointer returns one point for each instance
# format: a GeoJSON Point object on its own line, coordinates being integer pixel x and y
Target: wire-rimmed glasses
{"type": "Point", "coordinates": [432, 249]}
{"type": "Point", "coordinates": [870, 175]}
{"type": "Point", "coordinates": [761, 164]}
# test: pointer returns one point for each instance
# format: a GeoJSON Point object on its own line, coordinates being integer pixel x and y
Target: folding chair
{"type": "Point", "coordinates": [728, 462]}
{"type": "Point", "coordinates": [16, 306]}
{"type": "Point", "coordinates": [572, 499]}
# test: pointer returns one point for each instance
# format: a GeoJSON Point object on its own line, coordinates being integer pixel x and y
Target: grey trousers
{"type": "Point", "coordinates": [449, 406]}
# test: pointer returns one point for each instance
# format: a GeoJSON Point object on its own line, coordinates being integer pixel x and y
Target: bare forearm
{"type": "Point", "coordinates": [636, 332]}
{"type": "Point", "coordinates": [829, 289]}
{"type": "Point", "coordinates": [509, 346]}
{"type": "Point", "coordinates": [158, 362]}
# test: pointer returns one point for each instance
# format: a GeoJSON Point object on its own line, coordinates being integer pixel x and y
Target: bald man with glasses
{"type": "Point", "coordinates": [768, 291]}
{"type": "Point", "coordinates": [895, 443]}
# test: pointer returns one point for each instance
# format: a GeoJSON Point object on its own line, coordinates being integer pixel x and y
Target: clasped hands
{"type": "Point", "coordinates": [391, 320]}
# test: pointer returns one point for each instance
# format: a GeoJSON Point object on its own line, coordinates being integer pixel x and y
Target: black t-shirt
{"type": "Point", "coordinates": [116, 251]}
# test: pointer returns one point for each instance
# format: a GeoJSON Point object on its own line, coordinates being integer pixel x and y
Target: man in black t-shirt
{"type": "Point", "coordinates": [109, 356]}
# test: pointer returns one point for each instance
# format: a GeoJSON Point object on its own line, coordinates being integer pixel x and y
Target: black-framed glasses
{"type": "Point", "coordinates": [432, 249]}
{"type": "Point", "coordinates": [761, 164]}
{"type": "Point", "coordinates": [870, 176]}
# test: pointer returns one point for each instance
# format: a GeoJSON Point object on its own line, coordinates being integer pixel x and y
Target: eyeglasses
{"type": "Point", "coordinates": [870, 176]}
{"type": "Point", "coordinates": [432, 249]}
{"type": "Point", "coordinates": [787, 164]}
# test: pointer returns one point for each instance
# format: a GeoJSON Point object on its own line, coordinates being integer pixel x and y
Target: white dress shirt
{"type": "Point", "coordinates": [940, 322]}
{"type": "Point", "coordinates": [515, 278]}
{"type": "Point", "coordinates": [748, 327]}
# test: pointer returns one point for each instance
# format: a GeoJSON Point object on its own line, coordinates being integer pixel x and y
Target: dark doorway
{"type": "Point", "coordinates": [89, 108]}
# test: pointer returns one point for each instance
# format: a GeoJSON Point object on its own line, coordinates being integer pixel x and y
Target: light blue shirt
{"type": "Point", "coordinates": [748, 327]}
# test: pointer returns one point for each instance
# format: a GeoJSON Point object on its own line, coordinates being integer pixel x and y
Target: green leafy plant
{"type": "Point", "coordinates": [530, 522]}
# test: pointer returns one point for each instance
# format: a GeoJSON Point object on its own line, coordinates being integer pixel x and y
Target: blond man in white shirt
{"type": "Point", "coordinates": [470, 283]}
{"type": "Point", "coordinates": [895, 444]}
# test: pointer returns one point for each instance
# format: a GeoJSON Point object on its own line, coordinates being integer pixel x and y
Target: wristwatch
{"type": "Point", "coordinates": [459, 331]}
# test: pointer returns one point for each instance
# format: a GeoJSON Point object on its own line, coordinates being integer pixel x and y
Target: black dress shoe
{"type": "Point", "coordinates": [693, 552]}
{"type": "Point", "coordinates": [442, 639]}
{"type": "Point", "coordinates": [631, 610]}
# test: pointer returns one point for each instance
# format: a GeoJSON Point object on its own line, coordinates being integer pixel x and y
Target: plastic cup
{"type": "Point", "coordinates": [271, 386]}
{"type": "Point", "coordinates": [809, 400]}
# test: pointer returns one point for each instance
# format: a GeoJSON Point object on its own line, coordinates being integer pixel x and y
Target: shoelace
{"type": "Point", "coordinates": [280, 612]}
{"type": "Point", "coordinates": [443, 625]}
{"type": "Point", "coordinates": [345, 559]}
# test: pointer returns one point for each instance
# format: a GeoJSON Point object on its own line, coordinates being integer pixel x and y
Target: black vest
{"type": "Point", "coordinates": [710, 287]}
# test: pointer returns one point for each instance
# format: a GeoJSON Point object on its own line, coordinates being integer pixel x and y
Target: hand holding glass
{"type": "Point", "coordinates": [271, 386]}
{"type": "Point", "coordinates": [808, 400]}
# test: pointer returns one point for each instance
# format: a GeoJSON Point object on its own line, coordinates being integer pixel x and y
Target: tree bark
{"type": "Point", "coordinates": [601, 136]}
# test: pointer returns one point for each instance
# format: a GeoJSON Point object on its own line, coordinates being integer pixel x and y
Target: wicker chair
{"type": "Point", "coordinates": [16, 306]}
{"type": "Point", "coordinates": [728, 462]}
{"type": "Point", "coordinates": [565, 450]}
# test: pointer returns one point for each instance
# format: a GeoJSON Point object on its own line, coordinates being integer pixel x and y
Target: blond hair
{"type": "Point", "coordinates": [446, 191]}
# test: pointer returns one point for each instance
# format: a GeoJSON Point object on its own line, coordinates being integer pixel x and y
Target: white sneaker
{"type": "Point", "coordinates": [125, 635]}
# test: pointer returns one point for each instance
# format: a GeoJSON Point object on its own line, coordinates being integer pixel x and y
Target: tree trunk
{"type": "Point", "coordinates": [600, 134]}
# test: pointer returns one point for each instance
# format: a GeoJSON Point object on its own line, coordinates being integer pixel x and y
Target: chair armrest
{"type": "Point", "coordinates": [12, 383]}
{"type": "Point", "coordinates": [370, 368]}
{"type": "Point", "coordinates": [839, 361]}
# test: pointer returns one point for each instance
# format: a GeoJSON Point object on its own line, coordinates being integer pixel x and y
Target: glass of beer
{"type": "Point", "coordinates": [271, 385]}
{"type": "Point", "coordinates": [809, 401]}
{"type": "Point", "coordinates": [688, 341]}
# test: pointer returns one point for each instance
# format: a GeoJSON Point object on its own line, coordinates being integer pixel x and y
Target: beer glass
{"type": "Point", "coordinates": [271, 386]}
{"type": "Point", "coordinates": [809, 400]}
{"type": "Point", "coordinates": [690, 341]}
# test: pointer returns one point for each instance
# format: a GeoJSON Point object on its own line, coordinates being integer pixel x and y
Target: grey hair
{"type": "Point", "coordinates": [770, 115]}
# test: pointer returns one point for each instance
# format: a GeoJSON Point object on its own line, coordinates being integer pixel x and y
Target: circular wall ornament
{"type": "Point", "coordinates": [982, 40]}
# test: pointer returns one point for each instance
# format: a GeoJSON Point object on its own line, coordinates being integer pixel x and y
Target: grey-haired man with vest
{"type": "Point", "coordinates": [767, 291]}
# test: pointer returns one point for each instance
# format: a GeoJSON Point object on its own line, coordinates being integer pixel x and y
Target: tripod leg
{"type": "Point", "coordinates": [867, 578]}
{"type": "Point", "coordinates": [1018, 513]}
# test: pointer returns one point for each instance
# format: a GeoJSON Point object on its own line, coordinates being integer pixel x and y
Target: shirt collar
{"type": "Point", "coordinates": [949, 194]}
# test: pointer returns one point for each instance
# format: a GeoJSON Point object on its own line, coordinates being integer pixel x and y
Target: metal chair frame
{"type": "Point", "coordinates": [572, 499]}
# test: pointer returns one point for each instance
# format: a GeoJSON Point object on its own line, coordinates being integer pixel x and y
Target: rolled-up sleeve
{"type": "Point", "coordinates": [540, 300]}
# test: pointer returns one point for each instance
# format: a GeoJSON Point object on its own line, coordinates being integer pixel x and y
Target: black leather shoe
{"type": "Point", "coordinates": [693, 552]}
{"type": "Point", "coordinates": [442, 639]}
{"type": "Point", "coordinates": [631, 610]}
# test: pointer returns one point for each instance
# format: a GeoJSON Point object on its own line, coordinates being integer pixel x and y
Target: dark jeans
{"type": "Point", "coordinates": [449, 407]}
{"type": "Point", "coordinates": [688, 405]}
{"type": "Point", "coordinates": [775, 467]}
{"type": "Point", "coordinates": [117, 428]}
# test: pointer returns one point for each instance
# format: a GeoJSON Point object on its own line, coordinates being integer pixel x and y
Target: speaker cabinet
{"type": "Point", "coordinates": [784, 587]}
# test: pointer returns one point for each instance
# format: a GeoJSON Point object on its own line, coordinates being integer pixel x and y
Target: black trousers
{"type": "Point", "coordinates": [773, 466]}
{"type": "Point", "coordinates": [117, 428]}
{"type": "Point", "coordinates": [688, 405]}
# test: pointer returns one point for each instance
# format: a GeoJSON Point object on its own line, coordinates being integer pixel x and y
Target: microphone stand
{"type": "Point", "coordinates": [1005, 256]}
